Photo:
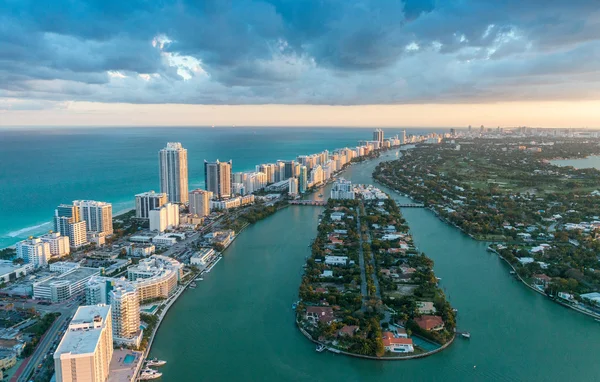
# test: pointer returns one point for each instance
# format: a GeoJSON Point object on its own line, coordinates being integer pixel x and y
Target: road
{"type": "Point", "coordinates": [361, 263]}
{"type": "Point", "coordinates": [44, 347]}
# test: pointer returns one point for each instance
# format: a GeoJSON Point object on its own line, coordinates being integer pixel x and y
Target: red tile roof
{"type": "Point", "coordinates": [388, 339]}
{"type": "Point", "coordinates": [428, 322]}
{"type": "Point", "coordinates": [323, 313]}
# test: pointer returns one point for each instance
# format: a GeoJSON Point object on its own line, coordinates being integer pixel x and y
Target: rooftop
{"type": "Point", "coordinates": [84, 331]}
{"type": "Point", "coordinates": [121, 371]}
{"type": "Point", "coordinates": [75, 275]}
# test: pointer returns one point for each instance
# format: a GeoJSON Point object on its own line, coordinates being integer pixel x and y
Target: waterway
{"type": "Point", "coordinates": [238, 324]}
{"type": "Point", "coordinates": [592, 161]}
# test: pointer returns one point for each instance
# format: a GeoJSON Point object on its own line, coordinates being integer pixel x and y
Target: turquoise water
{"type": "Point", "coordinates": [245, 303]}
{"type": "Point", "coordinates": [128, 359]}
{"type": "Point", "coordinates": [41, 168]}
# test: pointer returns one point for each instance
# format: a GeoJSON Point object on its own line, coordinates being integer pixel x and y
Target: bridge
{"type": "Point", "coordinates": [411, 205]}
{"type": "Point", "coordinates": [308, 202]}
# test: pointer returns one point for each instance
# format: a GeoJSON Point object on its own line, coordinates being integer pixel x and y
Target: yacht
{"type": "Point", "coordinates": [320, 348]}
{"type": "Point", "coordinates": [148, 374]}
{"type": "Point", "coordinates": [466, 334]}
{"type": "Point", "coordinates": [155, 362]}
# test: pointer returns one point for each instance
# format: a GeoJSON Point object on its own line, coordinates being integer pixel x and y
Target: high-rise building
{"type": "Point", "coordinates": [97, 215]}
{"type": "Point", "coordinates": [164, 217]}
{"type": "Point", "coordinates": [68, 223]}
{"type": "Point", "coordinates": [125, 308]}
{"type": "Point", "coordinates": [403, 137]}
{"type": "Point", "coordinates": [378, 136]}
{"type": "Point", "coordinates": [342, 189]}
{"type": "Point", "coordinates": [293, 187]}
{"type": "Point", "coordinates": [85, 351]}
{"type": "Point", "coordinates": [59, 245]}
{"type": "Point", "coordinates": [289, 166]}
{"type": "Point", "coordinates": [217, 177]}
{"type": "Point", "coordinates": [173, 171]}
{"type": "Point", "coordinates": [34, 251]}
{"type": "Point", "coordinates": [123, 297]}
{"type": "Point", "coordinates": [303, 180]}
{"type": "Point", "coordinates": [200, 202]}
{"type": "Point", "coordinates": [147, 201]}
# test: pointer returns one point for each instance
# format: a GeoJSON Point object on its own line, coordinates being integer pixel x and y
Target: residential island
{"type": "Point", "coordinates": [541, 218]}
{"type": "Point", "coordinates": [366, 289]}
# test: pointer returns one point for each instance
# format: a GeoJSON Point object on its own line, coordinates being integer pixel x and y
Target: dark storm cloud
{"type": "Point", "coordinates": [291, 51]}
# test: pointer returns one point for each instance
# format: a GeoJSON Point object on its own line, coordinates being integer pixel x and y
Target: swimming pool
{"type": "Point", "coordinates": [129, 358]}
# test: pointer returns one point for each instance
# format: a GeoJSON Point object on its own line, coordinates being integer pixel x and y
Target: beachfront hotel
{"type": "Point", "coordinates": [173, 172]}
{"type": "Point", "coordinates": [34, 251]}
{"type": "Point", "coordinates": [148, 201]}
{"type": "Point", "coordinates": [85, 351]}
{"type": "Point", "coordinates": [217, 178]}
{"type": "Point", "coordinates": [97, 215]}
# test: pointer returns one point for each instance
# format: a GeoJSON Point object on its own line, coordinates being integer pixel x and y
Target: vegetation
{"type": "Point", "coordinates": [508, 191]}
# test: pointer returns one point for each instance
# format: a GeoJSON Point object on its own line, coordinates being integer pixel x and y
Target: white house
{"type": "Point", "coordinates": [336, 260]}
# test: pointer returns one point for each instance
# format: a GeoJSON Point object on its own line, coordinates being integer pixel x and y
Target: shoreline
{"type": "Point", "coordinates": [375, 358]}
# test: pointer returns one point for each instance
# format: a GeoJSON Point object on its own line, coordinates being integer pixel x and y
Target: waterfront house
{"type": "Point", "coordinates": [430, 323]}
{"type": "Point", "coordinates": [401, 332]}
{"type": "Point", "coordinates": [397, 344]}
{"type": "Point", "coordinates": [541, 279]}
{"type": "Point", "coordinates": [319, 313]}
{"type": "Point", "coordinates": [348, 331]}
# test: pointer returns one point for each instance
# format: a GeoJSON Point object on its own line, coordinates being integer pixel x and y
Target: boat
{"type": "Point", "coordinates": [199, 279]}
{"type": "Point", "coordinates": [512, 272]}
{"type": "Point", "coordinates": [466, 334]}
{"type": "Point", "coordinates": [320, 348]}
{"type": "Point", "coordinates": [155, 362]}
{"type": "Point", "coordinates": [148, 374]}
{"type": "Point", "coordinates": [294, 305]}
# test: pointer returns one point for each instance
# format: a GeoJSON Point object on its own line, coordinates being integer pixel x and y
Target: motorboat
{"type": "Point", "coordinates": [466, 334]}
{"type": "Point", "coordinates": [148, 374]}
{"type": "Point", "coordinates": [155, 362]}
{"type": "Point", "coordinates": [320, 348]}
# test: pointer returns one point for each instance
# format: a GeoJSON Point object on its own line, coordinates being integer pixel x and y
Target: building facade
{"type": "Point", "coordinates": [173, 172]}
{"type": "Point", "coordinates": [97, 215]}
{"type": "Point", "coordinates": [148, 201]}
{"type": "Point", "coordinates": [59, 245]}
{"type": "Point", "coordinates": [217, 178]}
{"type": "Point", "coordinates": [165, 217]}
{"type": "Point", "coordinates": [34, 251]}
{"type": "Point", "coordinates": [85, 351]}
{"type": "Point", "coordinates": [200, 202]}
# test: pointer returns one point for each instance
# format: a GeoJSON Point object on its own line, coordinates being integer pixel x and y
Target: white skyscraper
{"type": "Point", "coordinates": [173, 173]}
{"type": "Point", "coordinates": [34, 251]}
{"type": "Point", "coordinates": [85, 351]}
{"type": "Point", "coordinates": [200, 202]}
{"type": "Point", "coordinates": [125, 307]}
{"type": "Point", "coordinates": [293, 187]}
{"type": "Point", "coordinates": [97, 215]}
{"type": "Point", "coordinates": [148, 201]}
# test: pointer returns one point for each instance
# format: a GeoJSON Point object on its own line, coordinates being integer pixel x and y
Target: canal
{"type": "Point", "coordinates": [238, 324]}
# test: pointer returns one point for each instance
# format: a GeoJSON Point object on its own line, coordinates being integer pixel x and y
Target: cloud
{"type": "Point", "coordinates": [309, 52]}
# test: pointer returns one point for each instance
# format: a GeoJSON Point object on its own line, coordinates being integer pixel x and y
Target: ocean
{"type": "Point", "coordinates": [44, 167]}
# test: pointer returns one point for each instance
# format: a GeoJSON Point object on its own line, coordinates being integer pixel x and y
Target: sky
{"type": "Point", "coordinates": [300, 62]}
